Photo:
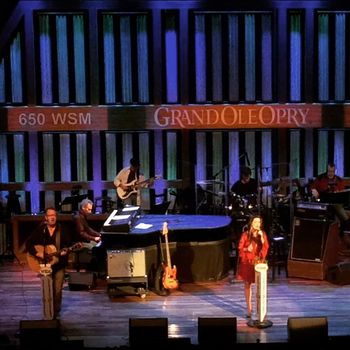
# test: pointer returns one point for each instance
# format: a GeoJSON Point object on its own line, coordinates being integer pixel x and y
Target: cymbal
{"type": "Point", "coordinates": [279, 195]}
{"type": "Point", "coordinates": [211, 193]}
{"type": "Point", "coordinates": [277, 181]}
{"type": "Point", "coordinates": [210, 182]}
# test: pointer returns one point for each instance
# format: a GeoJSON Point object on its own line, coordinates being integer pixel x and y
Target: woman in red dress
{"type": "Point", "coordinates": [252, 247]}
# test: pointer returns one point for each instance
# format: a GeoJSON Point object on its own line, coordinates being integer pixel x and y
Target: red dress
{"type": "Point", "coordinates": [247, 259]}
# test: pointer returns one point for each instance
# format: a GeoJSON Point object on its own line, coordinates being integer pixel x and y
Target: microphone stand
{"type": "Point", "coordinates": [226, 188]}
{"type": "Point", "coordinates": [46, 283]}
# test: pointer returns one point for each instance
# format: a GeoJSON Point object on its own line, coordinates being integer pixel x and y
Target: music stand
{"type": "Point", "coordinates": [73, 202]}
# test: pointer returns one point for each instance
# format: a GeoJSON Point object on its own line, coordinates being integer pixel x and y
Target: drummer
{"type": "Point", "coordinates": [246, 185]}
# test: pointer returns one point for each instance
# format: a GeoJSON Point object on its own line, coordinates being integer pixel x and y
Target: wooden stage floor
{"type": "Point", "coordinates": [101, 321]}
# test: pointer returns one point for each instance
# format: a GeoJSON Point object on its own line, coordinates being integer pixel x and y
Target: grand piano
{"type": "Point", "coordinates": [198, 244]}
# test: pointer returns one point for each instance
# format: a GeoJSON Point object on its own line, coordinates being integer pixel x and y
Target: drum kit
{"type": "Point", "coordinates": [281, 196]}
{"type": "Point", "coordinates": [211, 197]}
{"type": "Point", "coordinates": [247, 204]}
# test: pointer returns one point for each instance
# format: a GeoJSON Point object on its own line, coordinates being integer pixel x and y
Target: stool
{"type": "Point", "coordinates": [278, 256]}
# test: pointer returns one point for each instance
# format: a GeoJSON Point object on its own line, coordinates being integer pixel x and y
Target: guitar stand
{"type": "Point", "coordinates": [158, 276]}
{"type": "Point", "coordinates": [158, 287]}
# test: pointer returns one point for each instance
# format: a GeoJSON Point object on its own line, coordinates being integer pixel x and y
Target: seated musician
{"type": "Point", "coordinates": [246, 185]}
{"type": "Point", "coordinates": [329, 182]}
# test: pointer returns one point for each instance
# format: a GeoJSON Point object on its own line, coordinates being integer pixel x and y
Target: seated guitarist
{"type": "Point", "coordinates": [50, 237]}
{"type": "Point", "coordinates": [127, 183]}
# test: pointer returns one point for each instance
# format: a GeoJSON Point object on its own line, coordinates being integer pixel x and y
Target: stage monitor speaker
{"type": "Point", "coordinates": [309, 238]}
{"type": "Point", "coordinates": [148, 331]}
{"type": "Point", "coordinates": [39, 334]}
{"type": "Point", "coordinates": [81, 280]}
{"type": "Point", "coordinates": [217, 331]}
{"type": "Point", "coordinates": [307, 329]}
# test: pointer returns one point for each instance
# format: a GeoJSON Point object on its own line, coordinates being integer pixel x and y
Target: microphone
{"type": "Point", "coordinates": [247, 158]}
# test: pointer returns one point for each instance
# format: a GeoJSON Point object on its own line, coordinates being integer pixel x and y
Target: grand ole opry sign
{"type": "Point", "coordinates": [163, 117]}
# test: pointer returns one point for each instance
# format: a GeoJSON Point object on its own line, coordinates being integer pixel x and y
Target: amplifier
{"type": "Point", "coordinates": [126, 263]}
{"type": "Point", "coordinates": [81, 280]}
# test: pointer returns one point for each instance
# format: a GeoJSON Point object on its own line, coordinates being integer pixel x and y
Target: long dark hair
{"type": "Point", "coordinates": [250, 232]}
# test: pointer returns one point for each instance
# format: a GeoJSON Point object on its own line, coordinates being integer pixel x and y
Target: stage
{"type": "Point", "coordinates": [93, 318]}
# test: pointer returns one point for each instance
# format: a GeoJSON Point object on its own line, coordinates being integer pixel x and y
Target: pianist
{"type": "Point", "coordinates": [326, 183]}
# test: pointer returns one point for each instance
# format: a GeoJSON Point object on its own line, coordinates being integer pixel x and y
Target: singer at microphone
{"type": "Point", "coordinates": [253, 246]}
{"type": "Point", "coordinates": [49, 246]}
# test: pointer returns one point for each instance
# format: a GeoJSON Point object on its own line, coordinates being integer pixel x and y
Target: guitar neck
{"type": "Point", "coordinates": [167, 250]}
{"type": "Point", "coordinates": [145, 181]}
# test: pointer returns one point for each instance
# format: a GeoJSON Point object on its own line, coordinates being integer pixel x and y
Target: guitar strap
{"type": "Point", "coordinates": [58, 238]}
{"type": "Point", "coordinates": [132, 176]}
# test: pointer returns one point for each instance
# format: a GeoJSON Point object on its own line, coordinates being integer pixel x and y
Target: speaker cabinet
{"type": "Point", "coordinates": [217, 331]}
{"type": "Point", "coordinates": [81, 280]}
{"type": "Point", "coordinates": [39, 334]}
{"type": "Point", "coordinates": [314, 248]}
{"type": "Point", "coordinates": [309, 239]}
{"type": "Point", "coordinates": [126, 263]}
{"type": "Point", "coordinates": [148, 331]}
{"type": "Point", "coordinates": [307, 329]}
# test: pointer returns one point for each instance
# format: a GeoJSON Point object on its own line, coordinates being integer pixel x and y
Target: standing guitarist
{"type": "Point", "coordinates": [128, 182]}
{"type": "Point", "coordinates": [48, 238]}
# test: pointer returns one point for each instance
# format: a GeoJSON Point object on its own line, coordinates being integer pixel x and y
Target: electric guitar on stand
{"type": "Point", "coordinates": [169, 272]}
{"type": "Point", "coordinates": [133, 187]}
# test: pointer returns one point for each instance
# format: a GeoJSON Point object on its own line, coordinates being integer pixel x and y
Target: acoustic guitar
{"type": "Point", "coordinates": [133, 186]}
{"type": "Point", "coordinates": [169, 272]}
{"type": "Point", "coordinates": [51, 255]}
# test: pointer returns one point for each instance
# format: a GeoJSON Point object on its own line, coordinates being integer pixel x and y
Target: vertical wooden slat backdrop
{"type": "Point", "coordinates": [237, 59]}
